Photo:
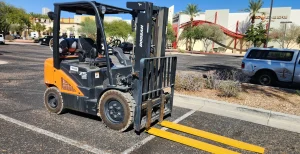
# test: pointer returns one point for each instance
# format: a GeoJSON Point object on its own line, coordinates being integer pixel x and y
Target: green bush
{"type": "Point", "coordinates": [221, 49]}
{"type": "Point", "coordinates": [181, 51]}
{"type": "Point", "coordinates": [229, 88]}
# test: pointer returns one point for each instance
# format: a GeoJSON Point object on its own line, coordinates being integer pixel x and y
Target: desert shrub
{"type": "Point", "coordinates": [229, 88]}
{"type": "Point", "coordinates": [189, 81]}
{"type": "Point", "coordinates": [9, 37]}
{"type": "Point", "coordinates": [232, 74]}
{"type": "Point", "coordinates": [227, 83]}
{"type": "Point", "coordinates": [211, 80]}
{"type": "Point", "coordinates": [298, 92]}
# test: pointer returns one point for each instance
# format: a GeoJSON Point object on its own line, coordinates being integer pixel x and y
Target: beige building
{"type": "Point", "coordinates": [234, 26]}
{"type": "Point", "coordinates": [70, 26]}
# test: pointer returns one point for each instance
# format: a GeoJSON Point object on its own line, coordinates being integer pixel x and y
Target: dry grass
{"type": "Point", "coordinates": [269, 98]}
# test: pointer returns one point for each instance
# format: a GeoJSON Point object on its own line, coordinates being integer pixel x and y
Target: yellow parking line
{"type": "Point", "coordinates": [214, 137]}
{"type": "Point", "coordinates": [190, 142]}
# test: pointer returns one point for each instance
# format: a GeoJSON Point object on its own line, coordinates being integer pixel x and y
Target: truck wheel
{"type": "Point", "coordinates": [116, 110]}
{"type": "Point", "coordinates": [40, 43]}
{"type": "Point", "coordinates": [53, 100]}
{"type": "Point", "coordinates": [266, 78]}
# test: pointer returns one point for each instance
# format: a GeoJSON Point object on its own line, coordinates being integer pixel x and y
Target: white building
{"type": "Point", "coordinates": [237, 23]}
{"type": "Point", "coordinates": [45, 10]}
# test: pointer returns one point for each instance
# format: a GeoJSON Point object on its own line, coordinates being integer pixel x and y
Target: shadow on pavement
{"type": "Point", "coordinates": [212, 67]}
{"type": "Point", "coordinates": [81, 114]}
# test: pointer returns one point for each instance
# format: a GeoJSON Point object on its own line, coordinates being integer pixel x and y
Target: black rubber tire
{"type": "Point", "coordinates": [54, 92]}
{"type": "Point", "coordinates": [269, 76]}
{"type": "Point", "coordinates": [128, 104]}
{"type": "Point", "coordinates": [40, 43]}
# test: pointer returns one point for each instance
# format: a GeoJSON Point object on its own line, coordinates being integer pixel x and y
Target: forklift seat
{"type": "Point", "coordinates": [88, 52]}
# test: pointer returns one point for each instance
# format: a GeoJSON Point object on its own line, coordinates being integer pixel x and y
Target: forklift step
{"type": "Point", "coordinates": [190, 142]}
{"type": "Point", "coordinates": [213, 137]}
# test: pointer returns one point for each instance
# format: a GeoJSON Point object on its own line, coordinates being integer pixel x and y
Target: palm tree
{"type": "Point", "coordinates": [192, 10]}
{"type": "Point", "coordinates": [39, 28]}
{"type": "Point", "coordinates": [50, 31]}
{"type": "Point", "coordinates": [253, 8]}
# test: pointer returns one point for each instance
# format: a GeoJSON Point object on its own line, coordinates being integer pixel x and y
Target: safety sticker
{"type": "Point", "coordinates": [96, 75]}
{"type": "Point", "coordinates": [83, 75]}
{"type": "Point", "coordinates": [73, 68]}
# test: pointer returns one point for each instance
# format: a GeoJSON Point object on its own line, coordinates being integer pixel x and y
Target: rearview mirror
{"type": "Point", "coordinates": [51, 15]}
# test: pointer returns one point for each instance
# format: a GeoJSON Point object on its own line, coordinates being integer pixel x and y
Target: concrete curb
{"type": "Point", "coordinates": [21, 43]}
{"type": "Point", "coordinates": [186, 54]}
{"type": "Point", "coordinates": [3, 62]}
{"type": "Point", "coordinates": [255, 115]}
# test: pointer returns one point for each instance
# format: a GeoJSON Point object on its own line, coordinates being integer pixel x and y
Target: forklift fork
{"type": "Point", "coordinates": [156, 74]}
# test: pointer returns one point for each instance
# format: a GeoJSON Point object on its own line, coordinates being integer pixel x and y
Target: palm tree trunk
{"type": "Point", "coordinates": [186, 44]}
{"type": "Point", "coordinates": [253, 19]}
{"type": "Point", "coordinates": [190, 39]}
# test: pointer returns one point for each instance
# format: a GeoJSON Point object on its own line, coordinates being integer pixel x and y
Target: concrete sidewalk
{"type": "Point", "coordinates": [255, 115]}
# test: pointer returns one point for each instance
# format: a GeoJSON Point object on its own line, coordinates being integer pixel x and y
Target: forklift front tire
{"type": "Point", "coordinates": [53, 100]}
{"type": "Point", "coordinates": [116, 110]}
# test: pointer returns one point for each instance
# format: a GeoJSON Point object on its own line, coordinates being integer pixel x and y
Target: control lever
{"type": "Point", "coordinates": [118, 52]}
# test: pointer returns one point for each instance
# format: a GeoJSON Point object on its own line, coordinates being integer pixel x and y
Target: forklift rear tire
{"type": "Point", "coordinates": [116, 110]}
{"type": "Point", "coordinates": [53, 100]}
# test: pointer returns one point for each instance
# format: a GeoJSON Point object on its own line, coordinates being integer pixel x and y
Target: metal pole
{"type": "Point", "coordinates": [284, 35]}
{"type": "Point", "coordinates": [270, 16]}
{"type": "Point", "coordinates": [284, 22]}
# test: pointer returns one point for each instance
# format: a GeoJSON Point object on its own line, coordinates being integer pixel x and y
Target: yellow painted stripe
{"type": "Point", "coordinates": [190, 142]}
{"type": "Point", "coordinates": [214, 137]}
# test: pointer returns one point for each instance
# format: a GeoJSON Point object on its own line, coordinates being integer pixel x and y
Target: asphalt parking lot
{"type": "Point", "coordinates": [208, 62]}
{"type": "Point", "coordinates": [26, 126]}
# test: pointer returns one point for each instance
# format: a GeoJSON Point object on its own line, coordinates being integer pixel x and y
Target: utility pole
{"type": "Point", "coordinates": [284, 22]}
{"type": "Point", "coordinates": [269, 25]}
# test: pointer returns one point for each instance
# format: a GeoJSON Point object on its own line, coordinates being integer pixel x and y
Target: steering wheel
{"type": "Point", "coordinates": [63, 46]}
{"type": "Point", "coordinates": [51, 44]}
{"type": "Point", "coordinates": [115, 43]}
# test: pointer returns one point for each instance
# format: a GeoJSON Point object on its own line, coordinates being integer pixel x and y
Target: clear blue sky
{"type": "Point", "coordinates": [233, 5]}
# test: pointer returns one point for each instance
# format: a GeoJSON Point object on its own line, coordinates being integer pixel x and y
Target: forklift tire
{"type": "Point", "coordinates": [53, 100]}
{"type": "Point", "coordinates": [116, 109]}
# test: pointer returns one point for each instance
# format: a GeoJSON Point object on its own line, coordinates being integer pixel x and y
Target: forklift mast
{"type": "Point", "coordinates": [155, 71]}
{"type": "Point", "coordinates": [151, 22]}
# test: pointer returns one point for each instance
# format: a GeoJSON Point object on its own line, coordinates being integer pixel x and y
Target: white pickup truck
{"type": "Point", "coordinates": [270, 65]}
{"type": "Point", "coordinates": [2, 40]}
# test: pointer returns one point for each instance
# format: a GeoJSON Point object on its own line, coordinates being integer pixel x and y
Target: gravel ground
{"type": "Point", "coordinates": [268, 98]}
